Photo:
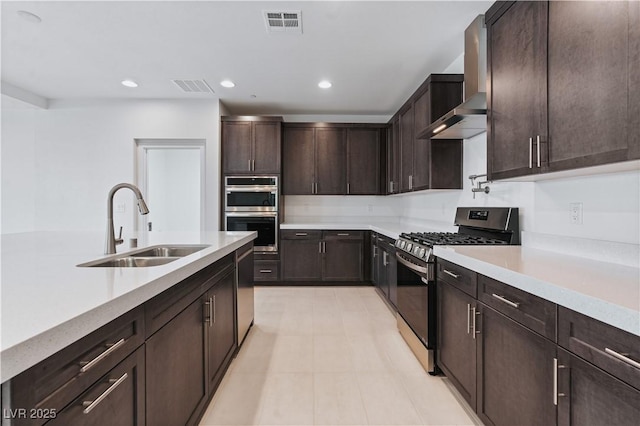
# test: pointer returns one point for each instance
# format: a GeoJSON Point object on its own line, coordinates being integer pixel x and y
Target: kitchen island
{"type": "Point", "coordinates": [48, 302]}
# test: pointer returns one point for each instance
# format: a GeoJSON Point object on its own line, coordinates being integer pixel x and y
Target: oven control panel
{"type": "Point", "coordinates": [413, 248]}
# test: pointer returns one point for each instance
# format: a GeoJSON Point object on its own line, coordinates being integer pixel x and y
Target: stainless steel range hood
{"type": "Point", "coordinates": [469, 118]}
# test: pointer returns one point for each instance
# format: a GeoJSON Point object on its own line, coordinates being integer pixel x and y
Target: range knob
{"type": "Point", "coordinates": [422, 253]}
{"type": "Point", "coordinates": [409, 247]}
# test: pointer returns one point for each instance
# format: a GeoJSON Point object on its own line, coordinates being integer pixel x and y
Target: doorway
{"type": "Point", "coordinates": [171, 175]}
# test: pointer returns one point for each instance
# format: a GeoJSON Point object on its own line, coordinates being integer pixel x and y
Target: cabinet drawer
{"type": "Point", "coordinates": [531, 311]}
{"type": "Point", "coordinates": [343, 235]}
{"type": "Point", "coordinates": [601, 345]}
{"type": "Point", "coordinates": [162, 308]}
{"type": "Point", "coordinates": [59, 379]}
{"type": "Point", "coordinates": [266, 270]}
{"type": "Point", "coordinates": [300, 234]}
{"type": "Point", "coordinates": [459, 277]}
{"type": "Point", "coordinates": [117, 398]}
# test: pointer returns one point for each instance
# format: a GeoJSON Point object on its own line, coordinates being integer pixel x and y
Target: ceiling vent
{"type": "Point", "coordinates": [283, 22]}
{"type": "Point", "coordinates": [193, 86]}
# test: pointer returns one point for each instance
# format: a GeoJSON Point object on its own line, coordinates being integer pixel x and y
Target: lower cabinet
{"type": "Point", "coordinates": [176, 359]}
{"type": "Point", "coordinates": [456, 348]}
{"type": "Point", "coordinates": [515, 372]}
{"type": "Point", "coordinates": [385, 268]}
{"type": "Point", "coordinates": [497, 345]}
{"type": "Point", "coordinates": [221, 336]}
{"type": "Point", "coordinates": [330, 256]}
{"type": "Point", "coordinates": [116, 399]}
{"type": "Point", "coordinates": [589, 396]}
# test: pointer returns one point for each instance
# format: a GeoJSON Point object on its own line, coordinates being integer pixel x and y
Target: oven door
{"type": "Point", "coordinates": [266, 224]}
{"type": "Point", "coordinates": [416, 298]}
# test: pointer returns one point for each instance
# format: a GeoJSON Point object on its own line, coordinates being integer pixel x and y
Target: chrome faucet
{"type": "Point", "coordinates": [111, 241]}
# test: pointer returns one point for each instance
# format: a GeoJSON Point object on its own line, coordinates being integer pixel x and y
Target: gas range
{"type": "Point", "coordinates": [476, 226]}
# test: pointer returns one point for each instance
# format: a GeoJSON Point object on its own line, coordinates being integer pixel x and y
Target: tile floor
{"type": "Point", "coordinates": [329, 356]}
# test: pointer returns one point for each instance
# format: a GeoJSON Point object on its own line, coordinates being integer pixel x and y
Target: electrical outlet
{"type": "Point", "coordinates": [575, 213]}
{"type": "Point", "coordinates": [121, 207]}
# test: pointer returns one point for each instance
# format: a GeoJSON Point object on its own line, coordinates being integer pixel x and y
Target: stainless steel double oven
{"type": "Point", "coordinates": [251, 204]}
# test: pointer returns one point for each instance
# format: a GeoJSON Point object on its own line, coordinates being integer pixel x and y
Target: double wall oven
{"type": "Point", "coordinates": [417, 264]}
{"type": "Point", "coordinates": [251, 204]}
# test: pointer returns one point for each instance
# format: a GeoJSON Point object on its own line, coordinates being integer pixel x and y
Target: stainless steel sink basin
{"type": "Point", "coordinates": [169, 251]}
{"type": "Point", "coordinates": [151, 256]}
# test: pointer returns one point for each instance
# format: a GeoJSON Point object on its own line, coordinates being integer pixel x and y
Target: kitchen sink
{"type": "Point", "coordinates": [151, 256]}
{"type": "Point", "coordinates": [170, 251]}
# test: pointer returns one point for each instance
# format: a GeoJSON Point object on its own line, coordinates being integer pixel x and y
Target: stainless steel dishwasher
{"type": "Point", "coordinates": [244, 287]}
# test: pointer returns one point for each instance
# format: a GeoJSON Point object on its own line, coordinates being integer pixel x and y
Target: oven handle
{"type": "Point", "coordinates": [251, 214]}
{"type": "Point", "coordinates": [411, 265]}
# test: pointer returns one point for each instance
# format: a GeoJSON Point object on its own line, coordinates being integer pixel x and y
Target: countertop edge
{"type": "Point", "coordinates": [609, 313]}
{"type": "Point", "coordinates": [26, 354]}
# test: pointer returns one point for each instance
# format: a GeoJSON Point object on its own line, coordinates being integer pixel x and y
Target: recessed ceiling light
{"type": "Point", "coordinates": [129, 83]}
{"type": "Point", "coordinates": [324, 84]}
{"type": "Point", "coordinates": [227, 83]}
{"type": "Point", "coordinates": [29, 17]}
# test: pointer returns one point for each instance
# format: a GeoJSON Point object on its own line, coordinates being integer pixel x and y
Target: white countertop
{"type": "Point", "coordinates": [48, 302]}
{"type": "Point", "coordinates": [605, 291]}
{"type": "Point", "coordinates": [386, 226]}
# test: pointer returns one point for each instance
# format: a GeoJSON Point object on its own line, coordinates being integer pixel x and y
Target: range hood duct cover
{"type": "Point", "coordinates": [469, 118]}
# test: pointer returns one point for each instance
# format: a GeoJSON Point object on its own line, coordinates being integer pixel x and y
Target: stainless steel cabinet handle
{"type": "Point", "coordinates": [375, 251]}
{"type": "Point", "coordinates": [90, 405]}
{"type": "Point", "coordinates": [451, 274]}
{"type": "Point", "coordinates": [316, 187]}
{"type": "Point", "coordinates": [253, 165]}
{"type": "Point", "coordinates": [324, 246]}
{"type": "Point", "coordinates": [249, 161]}
{"type": "Point", "coordinates": [343, 234]}
{"type": "Point", "coordinates": [556, 367]}
{"type": "Point", "coordinates": [214, 308]}
{"type": "Point", "coordinates": [265, 271]}
{"type": "Point", "coordinates": [474, 313]}
{"type": "Point", "coordinates": [507, 301]}
{"type": "Point", "coordinates": [468, 318]}
{"type": "Point", "coordinates": [622, 357]}
{"type": "Point", "coordinates": [390, 186]}
{"type": "Point", "coordinates": [538, 145]}
{"type": "Point", "coordinates": [531, 153]}
{"type": "Point", "coordinates": [301, 234]}
{"type": "Point", "coordinates": [319, 246]}
{"type": "Point", "coordinates": [209, 304]}
{"type": "Point", "coordinates": [348, 188]}
{"type": "Point", "coordinates": [410, 181]}
{"type": "Point", "coordinates": [312, 188]}
{"type": "Point", "coordinates": [384, 258]}
{"type": "Point", "coordinates": [86, 365]}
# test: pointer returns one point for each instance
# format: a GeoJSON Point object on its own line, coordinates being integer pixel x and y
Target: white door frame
{"type": "Point", "coordinates": [142, 146]}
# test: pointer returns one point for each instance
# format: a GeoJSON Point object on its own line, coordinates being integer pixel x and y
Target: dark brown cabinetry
{"type": "Point", "coordinates": [393, 157]}
{"type": "Point", "coordinates": [329, 256]}
{"type": "Point", "coordinates": [385, 266]}
{"type": "Point", "coordinates": [251, 145]}
{"type": "Point", "coordinates": [331, 159]}
{"type": "Point", "coordinates": [515, 372]}
{"type": "Point", "coordinates": [422, 163]}
{"type": "Point", "coordinates": [502, 368]}
{"type": "Point", "coordinates": [80, 371]}
{"type": "Point", "coordinates": [219, 327]}
{"type": "Point", "coordinates": [116, 399]}
{"type": "Point", "coordinates": [176, 359]}
{"type": "Point", "coordinates": [560, 96]}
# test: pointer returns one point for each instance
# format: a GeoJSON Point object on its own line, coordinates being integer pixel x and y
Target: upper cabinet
{"type": "Point", "coordinates": [561, 85]}
{"type": "Point", "coordinates": [331, 159]}
{"type": "Point", "coordinates": [413, 163]}
{"type": "Point", "coordinates": [251, 145]}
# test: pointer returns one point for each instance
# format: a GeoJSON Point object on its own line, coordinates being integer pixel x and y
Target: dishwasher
{"type": "Point", "coordinates": [244, 290]}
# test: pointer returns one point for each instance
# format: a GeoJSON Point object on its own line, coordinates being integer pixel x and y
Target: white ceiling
{"type": "Point", "coordinates": [375, 53]}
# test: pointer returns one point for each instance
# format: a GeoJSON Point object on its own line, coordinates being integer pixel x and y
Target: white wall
{"type": "Point", "coordinates": [81, 149]}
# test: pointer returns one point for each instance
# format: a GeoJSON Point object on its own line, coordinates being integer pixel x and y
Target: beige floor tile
{"type": "Point", "coordinates": [398, 354]}
{"type": "Point", "coordinates": [292, 354]}
{"type": "Point", "coordinates": [256, 352]}
{"type": "Point", "coordinates": [357, 323]}
{"type": "Point", "coordinates": [367, 355]}
{"type": "Point", "coordinates": [337, 400]}
{"type": "Point", "coordinates": [435, 404]}
{"type": "Point", "coordinates": [385, 400]}
{"type": "Point", "coordinates": [296, 323]}
{"type": "Point", "coordinates": [237, 401]}
{"type": "Point", "coordinates": [327, 322]}
{"type": "Point", "coordinates": [287, 399]}
{"type": "Point", "coordinates": [332, 353]}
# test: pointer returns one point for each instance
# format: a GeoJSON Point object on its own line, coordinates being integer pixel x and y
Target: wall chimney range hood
{"type": "Point", "coordinates": [469, 118]}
